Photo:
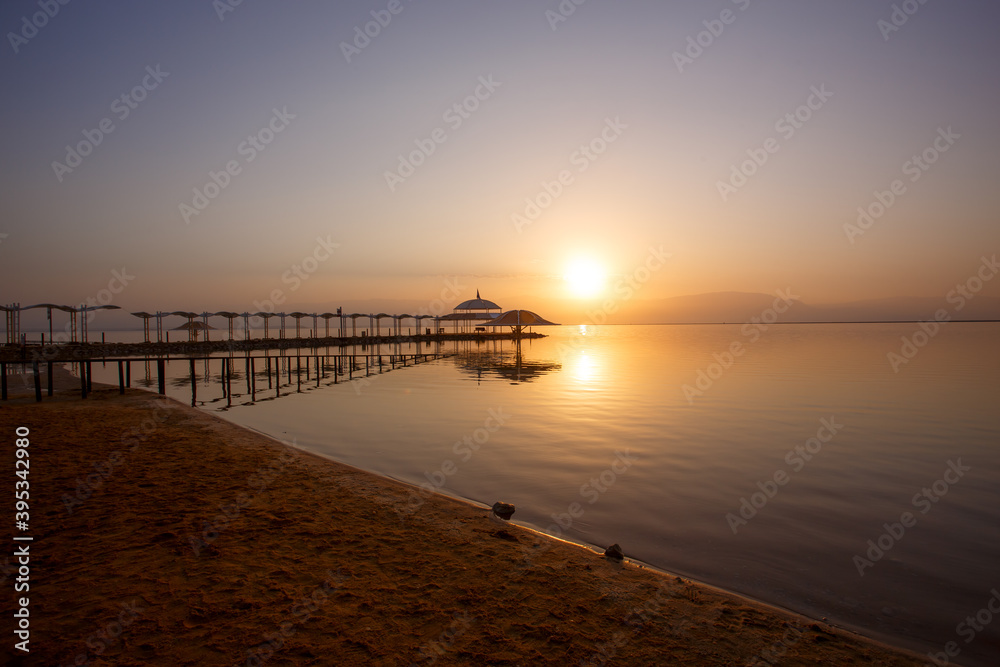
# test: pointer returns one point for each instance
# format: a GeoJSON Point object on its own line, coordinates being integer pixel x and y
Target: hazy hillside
{"type": "Point", "coordinates": [715, 307]}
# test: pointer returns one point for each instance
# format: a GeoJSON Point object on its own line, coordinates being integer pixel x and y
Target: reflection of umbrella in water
{"type": "Point", "coordinates": [505, 365]}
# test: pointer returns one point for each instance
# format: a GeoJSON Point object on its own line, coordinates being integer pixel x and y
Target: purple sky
{"type": "Point", "coordinates": [495, 143]}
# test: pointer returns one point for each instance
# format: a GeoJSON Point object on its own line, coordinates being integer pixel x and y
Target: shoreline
{"type": "Point", "coordinates": [390, 586]}
{"type": "Point", "coordinates": [597, 551]}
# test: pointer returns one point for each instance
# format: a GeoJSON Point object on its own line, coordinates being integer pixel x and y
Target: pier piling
{"type": "Point", "coordinates": [194, 385]}
{"type": "Point", "coordinates": [38, 381]}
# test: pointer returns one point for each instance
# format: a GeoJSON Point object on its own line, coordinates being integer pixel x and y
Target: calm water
{"type": "Point", "coordinates": [600, 444]}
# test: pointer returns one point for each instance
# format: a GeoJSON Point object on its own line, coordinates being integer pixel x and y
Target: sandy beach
{"type": "Point", "coordinates": [166, 536]}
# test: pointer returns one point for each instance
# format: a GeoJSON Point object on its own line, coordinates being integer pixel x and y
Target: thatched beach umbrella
{"type": "Point", "coordinates": [378, 322]}
{"type": "Point", "coordinates": [399, 322]}
{"type": "Point", "coordinates": [193, 328]}
{"type": "Point", "coordinates": [82, 309]}
{"type": "Point", "coordinates": [328, 317]}
{"type": "Point", "coordinates": [354, 323]}
{"type": "Point", "coordinates": [298, 322]}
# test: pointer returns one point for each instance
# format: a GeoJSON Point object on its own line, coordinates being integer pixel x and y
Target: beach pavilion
{"type": "Point", "coordinates": [478, 311]}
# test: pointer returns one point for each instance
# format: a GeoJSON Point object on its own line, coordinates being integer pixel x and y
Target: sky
{"type": "Point", "coordinates": [198, 155]}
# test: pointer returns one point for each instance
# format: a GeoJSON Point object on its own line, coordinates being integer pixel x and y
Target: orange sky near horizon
{"type": "Point", "coordinates": [739, 147]}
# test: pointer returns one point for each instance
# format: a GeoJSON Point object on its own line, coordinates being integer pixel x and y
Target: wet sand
{"type": "Point", "coordinates": [167, 536]}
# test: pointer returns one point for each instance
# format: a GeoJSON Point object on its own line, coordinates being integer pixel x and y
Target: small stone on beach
{"type": "Point", "coordinates": [503, 510]}
{"type": "Point", "coordinates": [614, 552]}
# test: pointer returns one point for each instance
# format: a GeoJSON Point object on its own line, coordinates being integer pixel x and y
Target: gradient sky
{"type": "Point", "coordinates": [655, 185]}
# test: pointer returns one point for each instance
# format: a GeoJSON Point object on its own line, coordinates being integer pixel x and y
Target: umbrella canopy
{"type": "Point", "coordinates": [519, 318]}
{"type": "Point", "coordinates": [68, 309]}
{"type": "Point", "coordinates": [478, 303]}
{"type": "Point", "coordinates": [194, 326]}
{"type": "Point", "coordinates": [467, 317]}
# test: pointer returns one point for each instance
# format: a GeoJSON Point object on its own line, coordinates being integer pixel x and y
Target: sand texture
{"type": "Point", "coordinates": [166, 536]}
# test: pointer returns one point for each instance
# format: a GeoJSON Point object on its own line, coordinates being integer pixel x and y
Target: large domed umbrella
{"type": "Point", "coordinates": [473, 310]}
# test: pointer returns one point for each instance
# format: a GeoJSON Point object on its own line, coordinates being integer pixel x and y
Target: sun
{"type": "Point", "coordinates": [585, 277]}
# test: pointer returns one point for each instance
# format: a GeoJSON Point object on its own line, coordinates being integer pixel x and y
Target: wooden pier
{"type": "Point", "coordinates": [44, 353]}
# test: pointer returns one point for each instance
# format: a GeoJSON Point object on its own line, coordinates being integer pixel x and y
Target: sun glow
{"type": "Point", "coordinates": [585, 277]}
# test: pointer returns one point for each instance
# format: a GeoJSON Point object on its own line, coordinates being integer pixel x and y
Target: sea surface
{"type": "Point", "coordinates": [802, 465]}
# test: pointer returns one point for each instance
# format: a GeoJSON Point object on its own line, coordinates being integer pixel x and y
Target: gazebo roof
{"type": "Point", "coordinates": [477, 304]}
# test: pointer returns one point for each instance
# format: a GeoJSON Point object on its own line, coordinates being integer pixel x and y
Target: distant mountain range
{"type": "Point", "coordinates": [714, 307]}
{"type": "Point", "coordinates": [741, 306]}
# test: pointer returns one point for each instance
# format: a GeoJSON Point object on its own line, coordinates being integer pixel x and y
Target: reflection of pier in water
{"type": "Point", "coordinates": [293, 374]}
{"type": "Point", "coordinates": [492, 359]}
{"type": "Point", "coordinates": [244, 379]}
